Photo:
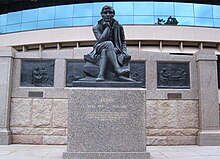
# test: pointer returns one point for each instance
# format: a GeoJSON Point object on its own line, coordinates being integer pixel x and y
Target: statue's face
{"type": "Point", "coordinates": [107, 14]}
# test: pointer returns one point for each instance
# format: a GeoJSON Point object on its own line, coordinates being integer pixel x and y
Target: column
{"type": "Point", "coordinates": [209, 133]}
{"type": "Point", "coordinates": [6, 64]}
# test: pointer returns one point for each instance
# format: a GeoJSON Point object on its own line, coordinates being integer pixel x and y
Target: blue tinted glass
{"type": "Point", "coordinates": [81, 10]}
{"type": "Point", "coordinates": [95, 20]}
{"type": "Point", "coordinates": [2, 29]}
{"type": "Point", "coordinates": [183, 9]}
{"type": "Point", "coordinates": [29, 15]}
{"type": "Point", "coordinates": [185, 20]}
{"type": "Point", "coordinates": [29, 26]}
{"type": "Point", "coordinates": [82, 21]}
{"type": "Point", "coordinates": [216, 22]}
{"type": "Point", "coordinates": [216, 11]}
{"type": "Point", "coordinates": [46, 13]}
{"type": "Point", "coordinates": [124, 8]}
{"type": "Point", "coordinates": [63, 22]}
{"type": "Point", "coordinates": [14, 17]}
{"type": "Point", "coordinates": [203, 22]}
{"type": "Point", "coordinates": [125, 19]}
{"type": "Point", "coordinates": [203, 10]}
{"type": "Point", "coordinates": [163, 8]}
{"type": "Point", "coordinates": [162, 18]}
{"type": "Point", "coordinates": [13, 28]}
{"type": "Point", "coordinates": [143, 20]}
{"type": "Point", "coordinates": [3, 19]}
{"type": "Point", "coordinates": [65, 11]}
{"type": "Point", "coordinates": [97, 7]}
{"type": "Point", "coordinates": [143, 8]}
{"type": "Point", "coordinates": [45, 24]}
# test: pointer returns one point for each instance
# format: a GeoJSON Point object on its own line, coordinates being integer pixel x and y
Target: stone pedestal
{"type": "Point", "coordinates": [209, 133]}
{"type": "Point", "coordinates": [106, 123]}
{"type": "Point", "coordinates": [6, 61]}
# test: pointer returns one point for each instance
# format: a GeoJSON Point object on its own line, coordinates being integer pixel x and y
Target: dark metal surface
{"type": "Point", "coordinates": [75, 73]}
{"type": "Point", "coordinates": [35, 94]}
{"type": "Point", "coordinates": [37, 73]}
{"type": "Point", "coordinates": [173, 75]}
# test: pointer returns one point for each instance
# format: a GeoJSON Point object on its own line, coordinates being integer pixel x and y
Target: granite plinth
{"type": "Point", "coordinates": [106, 123]}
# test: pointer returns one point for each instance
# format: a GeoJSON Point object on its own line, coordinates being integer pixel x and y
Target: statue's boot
{"type": "Point", "coordinates": [121, 71]}
{"type": "Point", "coordinates": [102, 67]}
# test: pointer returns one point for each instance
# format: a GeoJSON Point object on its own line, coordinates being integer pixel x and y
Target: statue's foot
{"type": "Point", "coordinates": [100, 78]}
{"type": "Point", "coordinates": [121, 71]}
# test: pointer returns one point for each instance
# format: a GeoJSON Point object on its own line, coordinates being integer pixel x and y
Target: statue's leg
{"type": "Point", "coordinates": [113, 58]}
{"type": "Point", "coordinates": [102, 66]}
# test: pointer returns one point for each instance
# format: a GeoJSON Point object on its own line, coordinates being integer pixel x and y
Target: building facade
{"type": "Point", "coordinates": [175, 43]}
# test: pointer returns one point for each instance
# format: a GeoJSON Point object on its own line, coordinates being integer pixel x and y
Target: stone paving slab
{"type": "Point", "coordinates": [20, 151]}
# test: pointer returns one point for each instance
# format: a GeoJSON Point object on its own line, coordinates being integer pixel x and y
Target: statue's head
{"type": "Point", "coordinates": [107, 13]}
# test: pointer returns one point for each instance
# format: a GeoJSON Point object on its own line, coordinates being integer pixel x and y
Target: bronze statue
{"type": "Point", "coordinates": [109, 59]}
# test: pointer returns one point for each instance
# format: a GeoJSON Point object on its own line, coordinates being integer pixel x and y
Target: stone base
{"type": "Point", "coordinates": [5, 137]}
{"type": "Point", "coordinates": [209, 138]}
{"type": "Point", "coordinates": [110, 155]}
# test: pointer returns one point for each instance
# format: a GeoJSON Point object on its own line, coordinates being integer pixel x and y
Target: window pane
{"type": "Point", "coordinates": [183, 9]}
{"type": "Point", "coordinates": [124, 8]}
{"type": "Point", "coordinates": [29, 15]}
{"type": "Point", "coordinates": [45, 24]}
{"type": "Point", "coordinates": [81, 10]}
{"type": "Point", "coordinates": [143, 20]}
{"type": "Point", "coordinates": [82, 21]}
{"type": "Point", "coordinates": [217, 22]}
{"type": "Point", "coordinates": [46, 13]}
{"type": "Point", "coordinates": [216, 11]}
{"type": "Point", "coordinates": [3, 19]}
{"type": "Point", "coordinates": [65, 11]}
{"type": "Point", "coordinates": [97, 7]}
{"type": "Point", "coordinates": [125, 19]}
{"type": "Point", "coordinates": [143, 8]}
{"type": "Point", "coordinates": [185, 21]}
{"type": "Point", "coordinates": [2, 29]}
{"type": "Point", "coordinates": [29, 26]}
{"type": "Point", "coordinates": [203, 10]}
{"type": "Point", "coordinates": [163, 8]}
{"type": "Point", "coordinates": [13, 28]}
{"type": "Point", "coordinates": [203, 22]}
{"type": "Point", "coordinates": [14, 17]}
{"type": "Point", "coordinates": [63, 22]}
{"type": "Point", "coordinates": [95, 20]}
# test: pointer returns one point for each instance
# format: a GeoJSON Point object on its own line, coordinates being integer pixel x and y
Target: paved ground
{"type": "Point", "coordinates": [157, 152]}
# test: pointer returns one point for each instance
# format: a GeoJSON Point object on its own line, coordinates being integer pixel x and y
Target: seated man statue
{"type": "Point", "coordinates": [109, 56]}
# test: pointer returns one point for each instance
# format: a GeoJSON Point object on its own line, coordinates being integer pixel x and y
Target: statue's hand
{"type": "Point", "coordinates": [106, 25]}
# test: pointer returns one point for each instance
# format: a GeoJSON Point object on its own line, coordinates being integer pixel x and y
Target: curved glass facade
{"type": "Point", "coordinates": [190, 14]}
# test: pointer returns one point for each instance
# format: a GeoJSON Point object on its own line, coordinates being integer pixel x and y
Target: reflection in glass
{"type": "Point", "coordinates": [13, 28]}
{"type": "Point", "coordinates": [164, 8]}
{"type": "Point", "coordinates": [185, 21]}
{"type": "Point", "coordinates": [98, 6]}
{"type": "Point", "coordinates": [45, 24]}
{"type": "Point", "coordinates": [143, 19]}
{"type": "Point", "coordinates": [203, 22]}
{"type": "Point", "coordinates": [14, 17]}
{"type": "Point", "coordinates": [216, 22]}
{"type": "Point", "coordinates": [216, 11]}
{"type": "Point", "coordinates": [82, 10]}
{"type": "Point", "coordinates": [3, 19]}
{"type": "Point", "coordinates": [125, 19]}
{"type": "Point", "coordinates": [64, 11]}
{"type": "Point", "coordinates": [82, 21]}
{"type": "Point", "coordinates": [183, 9]}
{"type": "Point", "coordinates": [46, 13]}
{"type": "Point", "coordinates": [29, 26]}
{"type": "Point", "coordinates": [143, 8]}
{"type": "Point", "coordinates": [29, 15]}
{"type": "Point", "coordinates": [123, 8]}
{"type": "Point", "coordinates": [63, 22]}
{"type": "Point", "coordinates": [203, 10]}
{"type": "Point", "coordinates": [2, 29]}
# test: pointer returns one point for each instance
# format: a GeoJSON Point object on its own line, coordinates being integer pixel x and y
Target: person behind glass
{"type": "Point", "coordinates": [110, 45]}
